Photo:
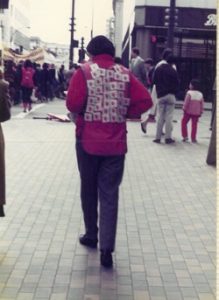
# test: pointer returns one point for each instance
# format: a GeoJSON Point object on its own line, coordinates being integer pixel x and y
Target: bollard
{"type": "Point", "coordinates": [211, 157]}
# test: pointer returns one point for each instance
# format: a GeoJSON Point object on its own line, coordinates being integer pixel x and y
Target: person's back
{"type": "Point", "coordinates": [62, 82]}
{"type": "Point", "coordinates": [10, 74]}
{"type": "Point", "coordinates": [61, 74]}
{"type": "Point", "coordinates": [103, 94]}
{"type": "Point", "coordinates": [166, 80]}
{"type": "Point", "coordinates": [137, 66]}
{"type": "Point", "coordinates": [193, 108]}
{"type": "Point", "coordinates": [27, 79]}
{"type": "Point", "coordinates": [167, 84]}
{"type": "Point", "coordinates": [27, 84]}
{"type": "Point", "coordinates": [106, 111]}
{"type": "Point", "coordinates": [44, 75]}
{"type": "Point", "coordinates": [52, 74]}
{"type": "Point", "coordinates": [44, 82]}
{"type": "Point", "coordinates": [69, 73]}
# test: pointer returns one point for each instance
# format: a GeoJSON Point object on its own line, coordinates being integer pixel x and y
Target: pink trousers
{"type": "Point", "coordinates": [184, 122]}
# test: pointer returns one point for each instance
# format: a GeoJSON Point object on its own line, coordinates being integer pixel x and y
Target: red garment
{"type": "Point", "coordinates": [184, 122]}
{"type": "Point", "coordinates": [193, 103]}
{"type": "Point", "coordinates": [105, 136]}
{"type": "Point", "coordinates": [27, 77]}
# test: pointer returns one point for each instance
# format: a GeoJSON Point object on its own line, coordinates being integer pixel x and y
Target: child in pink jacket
{"type": "Point", "coordinates": [193, 108]}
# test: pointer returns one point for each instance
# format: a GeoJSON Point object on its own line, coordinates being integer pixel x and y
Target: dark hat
{"type": "Point", "coordinates": [170, 59]}
{"type": "Point", "coordinates": [166, 52]}
{"type": "Point", "coordinates": [100, 45]}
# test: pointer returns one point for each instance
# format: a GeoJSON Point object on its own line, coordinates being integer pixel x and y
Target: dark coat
{"type": "Point", "coordinates": [166, 80]}
{"type": "Point", "coordinates": [4, 95]}
{"type": "Point", "coordinates": [44, 82]}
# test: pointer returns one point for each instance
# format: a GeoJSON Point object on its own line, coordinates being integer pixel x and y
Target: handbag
{"type": "Point", "coordinates": [5, 106]}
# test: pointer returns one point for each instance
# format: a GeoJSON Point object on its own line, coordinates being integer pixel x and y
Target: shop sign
{"type": "Point", "coordinates": [187, 17]}
{"type": "Point", "coordinates": [211, 20]}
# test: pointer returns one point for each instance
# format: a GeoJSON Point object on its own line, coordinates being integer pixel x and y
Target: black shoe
{"type": "Point", "coordinates": [169, 141]}
{"type": "Point", "coordinates": [2, 213]}
{"type": "Point", "coordinates": [106, 259]}
{"type": "Point", "coordinates": [143, 127]}
{"type": "Point", "coordinates": [156, 141]}
{"type": "Point", "coordinates": [85, 241]}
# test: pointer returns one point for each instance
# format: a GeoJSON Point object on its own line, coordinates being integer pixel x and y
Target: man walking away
{"type": "Point", "coordinates": [103, 94]}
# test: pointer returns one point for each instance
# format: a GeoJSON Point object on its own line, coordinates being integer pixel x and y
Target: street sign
{"type": "Point", "coordinates": [75, 43]}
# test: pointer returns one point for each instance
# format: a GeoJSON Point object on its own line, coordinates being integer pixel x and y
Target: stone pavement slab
{"type": "Point", "coordinates": [166, 229]}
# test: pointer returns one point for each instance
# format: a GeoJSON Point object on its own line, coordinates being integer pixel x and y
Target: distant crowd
{"type": "Point", "coordinates": [44, 81]}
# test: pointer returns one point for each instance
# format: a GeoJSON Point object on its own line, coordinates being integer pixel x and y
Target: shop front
{"type": "Point", "coordinates": [194, 42]}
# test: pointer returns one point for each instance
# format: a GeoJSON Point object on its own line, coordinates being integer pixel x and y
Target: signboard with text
{"type": "Point", "coordinates": [195, 18]}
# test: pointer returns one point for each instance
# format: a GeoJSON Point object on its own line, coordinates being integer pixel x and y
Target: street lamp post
{"type": "Point", "coordinates": [92, 21]}
{"type": "Point", "coordinates": [171, 25]}
{"type": "Point", "coordinates": [71, 51]}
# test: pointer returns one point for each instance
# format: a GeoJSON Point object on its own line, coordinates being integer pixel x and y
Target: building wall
{"type": "Point", "coordinates": [16, 24]}
{"type": "Point", "coordinates": [5, 24]}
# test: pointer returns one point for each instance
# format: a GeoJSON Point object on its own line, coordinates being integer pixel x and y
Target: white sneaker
{"type": "Point", "coordinates": [185, 139]}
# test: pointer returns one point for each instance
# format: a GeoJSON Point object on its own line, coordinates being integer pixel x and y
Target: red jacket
{"type": "Point", "coordinates": [27, 77]}
{"type": "Point", "coordinates": [103, 132]}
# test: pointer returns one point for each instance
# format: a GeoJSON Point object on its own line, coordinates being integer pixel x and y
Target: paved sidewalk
{"type": "Point", "coordinates": [166, 231]}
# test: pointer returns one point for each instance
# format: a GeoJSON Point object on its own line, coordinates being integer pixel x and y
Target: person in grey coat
{"type": "Point", "coordinates": [138, 67]}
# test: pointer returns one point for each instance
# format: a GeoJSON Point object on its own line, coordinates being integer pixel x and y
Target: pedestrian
{"type": "Point", "coordinates": [36, 79]}
{"type": "Point", "coordinates": [118, 60]}
{"type": "Point", "coordinates": [137, 65]}
{"type": "Point", "coordinates": [167, 84]}
{"type": "Point", "coordinates": [27, 84]}
{"type": "Point", "coordinates": [193, 108]}
{"type": "Point", "coordinates": [10, 76]}
{"type": "Point", "coordinates": [149, 67]}
{"type": "Point", "coordinates": [62, 82]}
{"type": "Point", "coordinates": [103, 94]}
{"type": "Point", "coordinates": [52, 81]}
{"type": "Point", "coordinates": [4, 116]}
{"type": "Point", "coordinates": [153, 111]}
{"type": "Point", "coordinates": [68, 75]}
{"type": "Point", "coordinates": [148, 117]}
{"type": "Point", "coordinates": [18, 77]}
{"type": "Point", "coordinates": [44, 82]}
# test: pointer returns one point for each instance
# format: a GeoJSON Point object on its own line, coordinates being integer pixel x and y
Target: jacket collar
{"type": "Point", "coordinates": [105, 57]}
